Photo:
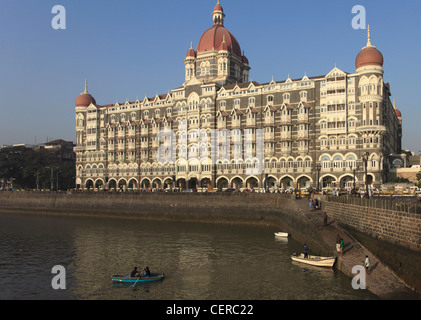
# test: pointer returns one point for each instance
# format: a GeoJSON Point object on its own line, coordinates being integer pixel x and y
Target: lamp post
{"type": "Point", "coordinates": [51, 177]}
{"type": "Point", "coordinates": [173, 184]}
{"type": "Point", "coordinates": [318, 168]}
{"type": "Point", "coordinates": [354, 170]}
{"type": "Point", "coordinates": [57, 180]}
{"type": "Point", "coordinates": [365, 160]}
{"type": "Point", "coordinates": [37, 180]}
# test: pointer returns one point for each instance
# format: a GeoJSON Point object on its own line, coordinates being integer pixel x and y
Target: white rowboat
{"type": "Point", "coordinates": [281, 234]}
{"type": "Point", "coordinates": [315, 260]}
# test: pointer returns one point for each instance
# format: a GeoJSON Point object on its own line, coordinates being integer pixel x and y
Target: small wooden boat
{"type": "Point", "coordinates": [281, 234]}
{"type": "Point", "coordinates": [128, 279]}
{"type": "Point", "coordinates": [315, 260]}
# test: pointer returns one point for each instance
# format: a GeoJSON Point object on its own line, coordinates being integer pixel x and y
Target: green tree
{"type": "Point", "coordinates": [419, 176]}
{"type": "Point", "coordinates": [419, 179]}
{"type": "Point", "coordinates": [398, 180]}
{"type": "Point", "coordinates": [30, 168]}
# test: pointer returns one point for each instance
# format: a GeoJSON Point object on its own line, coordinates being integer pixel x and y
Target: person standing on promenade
{"type": "Point", "coordinates": [367, 264]}
{"type": "Point", "coordinates": [310, 205]}
{"type": "Point", "coordinates": [305, 251]}
{"type": "Point", "coordinates": [338, 243]}
{"type": "Point", "coordinates": [342, 247]}
{"type": "Point", "coordinates": [324, 218]}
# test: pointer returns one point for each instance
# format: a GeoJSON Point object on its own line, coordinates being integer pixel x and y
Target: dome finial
{"type": "Point", "coordinates": [86, 86]}
{"type": "Point", "coordinates": [368, 37]}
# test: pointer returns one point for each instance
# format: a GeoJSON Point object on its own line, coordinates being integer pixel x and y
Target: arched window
{"type": "Point", "coordinates": [337, 161]}
{"type": "Point", "coordinates": [283, 164]}
{"type": "Point", "coordinates": [325, 160]}
{"type": "Point", "coordinates": [351, 161]}
{"type": "Point", "coordinates": [80, 121]}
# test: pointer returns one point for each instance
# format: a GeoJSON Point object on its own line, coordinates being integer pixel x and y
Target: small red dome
{"type": "Point", "coordinates": [191, 53]}
{"type": "Point", "coordinates": [245, 60]}
{"type": "Point", "coordinates": [398, 113]}
{"type": "Point", "coordinates": [369, 56]}
{"type": "Point", "coordinates": [213, 38]}
{"type": "Point", "coordinates": [218, 7]}
{"type": "Point", "coordinates": [84, 100]}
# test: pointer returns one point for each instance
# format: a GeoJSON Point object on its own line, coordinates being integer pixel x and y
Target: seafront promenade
{"type": "Point", "coordinates": [382, 281]}
{"type": "Point", "coordinates": [283, 211]}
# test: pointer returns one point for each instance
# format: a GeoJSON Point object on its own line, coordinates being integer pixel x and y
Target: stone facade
{"type": "Point", "coordinates": [227, 131]}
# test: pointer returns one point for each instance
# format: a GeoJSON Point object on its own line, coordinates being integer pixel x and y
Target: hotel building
{"type": "Point", "coordinates": [322, 131]}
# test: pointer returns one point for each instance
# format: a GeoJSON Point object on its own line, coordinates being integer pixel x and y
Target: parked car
{"type": "Point", "coordinates": [231, 190]}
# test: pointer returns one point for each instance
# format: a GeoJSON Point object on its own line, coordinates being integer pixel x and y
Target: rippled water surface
{"type": "Point", "coordinates": [200, 261]}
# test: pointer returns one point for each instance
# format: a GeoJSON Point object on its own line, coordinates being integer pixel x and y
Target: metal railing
{"type": "Point", "coordinates": [401, 204]}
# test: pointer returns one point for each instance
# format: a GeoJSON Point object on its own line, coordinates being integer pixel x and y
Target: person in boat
{"type": "Point", "coordinates": [305, 251]}
{"type": "Point", "coordinates": [147, 272]}
{"type": "Point", "coordinates": [135, 273]}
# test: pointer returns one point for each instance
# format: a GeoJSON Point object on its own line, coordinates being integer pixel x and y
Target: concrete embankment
{"type": "Point", "coordinates": [280, 210]}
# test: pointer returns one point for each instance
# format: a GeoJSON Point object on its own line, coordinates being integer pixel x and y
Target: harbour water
{"type": "Point", "coordinates": [201, 261]}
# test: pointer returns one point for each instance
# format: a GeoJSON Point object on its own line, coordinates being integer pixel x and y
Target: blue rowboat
{"type": "Point", "coordinates": [128, 279]}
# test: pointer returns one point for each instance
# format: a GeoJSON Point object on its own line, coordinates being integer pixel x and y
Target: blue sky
{"type": "Point", "coordinates": [128, 49]}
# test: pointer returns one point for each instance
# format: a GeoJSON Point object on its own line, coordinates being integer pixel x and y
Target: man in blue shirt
{"type": "Point", "coordinates": [305, 251]}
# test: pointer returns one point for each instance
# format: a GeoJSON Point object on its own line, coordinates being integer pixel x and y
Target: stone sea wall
{"type": "Point", "coordinates": [395, 226]}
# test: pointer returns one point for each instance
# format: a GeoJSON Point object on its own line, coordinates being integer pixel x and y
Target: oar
{"type": "Point", "coordinates": [136, 281]}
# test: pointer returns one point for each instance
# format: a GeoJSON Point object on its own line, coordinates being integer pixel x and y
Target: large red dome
{"type": "Point", "coordinates": [213, 37]}
{"type": "Point", "coordinates": [369, 56]}
{"type": "Point", "coordinates": [85, 100]}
